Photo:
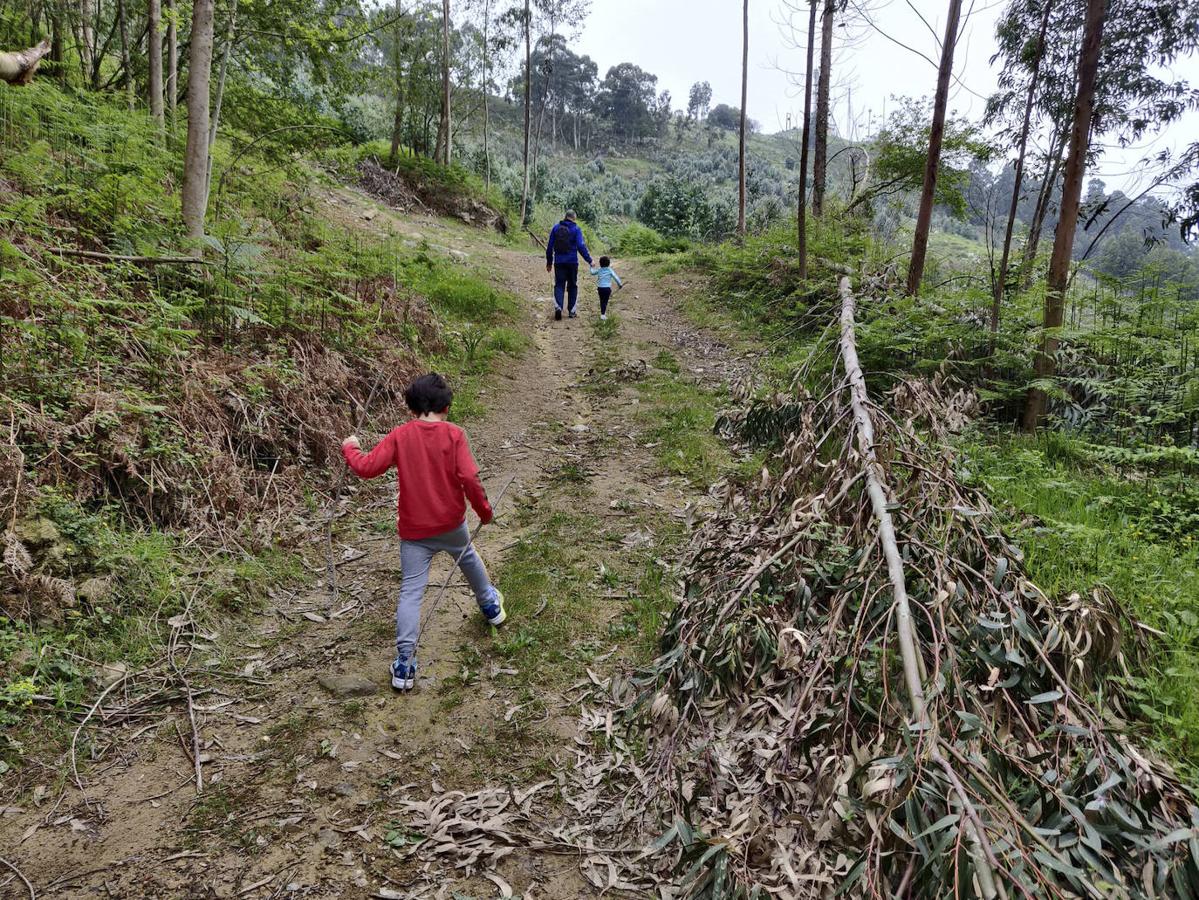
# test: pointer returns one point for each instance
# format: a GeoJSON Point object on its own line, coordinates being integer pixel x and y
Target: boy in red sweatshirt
{"type": "Point", "coordinates": [435, 472]}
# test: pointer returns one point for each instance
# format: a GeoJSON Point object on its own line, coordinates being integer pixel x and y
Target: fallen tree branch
{"type": "Point", "coordinates": [136, 260]}
{"type": "Point", "coordinates": [21, 875]}
{"type": "Point", "coordinates": [18, 67]}
{"type": "Point", "coordinates": [191, 715]}
{"type": "Point", "coordinates": [864, 429]}
{"type": "Point", "coordinates": [983, 853]}
{"type": "Point", "coordinates": [90, 713]}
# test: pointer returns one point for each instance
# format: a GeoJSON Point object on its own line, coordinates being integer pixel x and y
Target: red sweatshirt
{"type": "Point", "coordinates": [435, 470]}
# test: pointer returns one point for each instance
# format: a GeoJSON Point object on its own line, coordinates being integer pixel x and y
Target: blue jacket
{"type": "Point", "coordinates": [576, 247]}
{"type": "Point", "coordinates": [604, 276]}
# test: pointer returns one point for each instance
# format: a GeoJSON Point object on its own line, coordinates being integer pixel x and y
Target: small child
{"type": "Point", "coordinates": [434, 472]}
{"type": "Point", "coordinates": [603, 283]}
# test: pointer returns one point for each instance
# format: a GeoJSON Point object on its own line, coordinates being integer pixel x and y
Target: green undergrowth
{"type": "Point", "coordinates": [635, 239]}
{"type": "Point", "coordinates": [1083, 525]}
{"type": "Point", "coordinates": [573, 589]}
{"type": "Point", "coordinates": [167, 430]}
{"type": "Point", "coordinates": [678, 417]}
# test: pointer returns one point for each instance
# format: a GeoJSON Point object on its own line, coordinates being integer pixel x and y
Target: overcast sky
{"type": "Point", "coordinates": [684, 41]}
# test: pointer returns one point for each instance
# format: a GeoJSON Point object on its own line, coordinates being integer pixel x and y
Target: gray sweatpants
{"type": "Point", "coordinates": [415, 559]}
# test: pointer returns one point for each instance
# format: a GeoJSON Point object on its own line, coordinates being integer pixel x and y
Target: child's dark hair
{"type": "Point", "coordinates": [604, 261]}
{"type": "Point", "coordinates": [428, 394]}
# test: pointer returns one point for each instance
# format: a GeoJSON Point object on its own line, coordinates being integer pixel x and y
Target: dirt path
{"type": "Point", "coordinates": [301, 783]}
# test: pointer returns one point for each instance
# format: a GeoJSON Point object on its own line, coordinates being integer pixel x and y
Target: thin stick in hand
{"type": "Point", "coordinates": [450, 575]}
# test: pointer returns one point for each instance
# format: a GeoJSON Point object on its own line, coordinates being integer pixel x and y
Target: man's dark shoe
{"type": "Point", "coordinates": [557, 315]}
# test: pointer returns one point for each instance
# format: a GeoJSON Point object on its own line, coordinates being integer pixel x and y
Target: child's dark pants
{"type": "Point", "coordinates": [605, 295]}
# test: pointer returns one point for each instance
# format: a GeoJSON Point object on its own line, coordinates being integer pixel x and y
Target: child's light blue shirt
{"type": "Point", "coordinates": [604, 276]}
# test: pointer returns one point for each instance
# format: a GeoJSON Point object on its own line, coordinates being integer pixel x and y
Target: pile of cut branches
{"type": "Point", "coordinates": [861, 692]}
{"type": "Point", "coordinates": [418, 184]}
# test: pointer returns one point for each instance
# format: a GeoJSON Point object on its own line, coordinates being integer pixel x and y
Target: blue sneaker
{"type": "Point", "coordinates": [494, 611]}
{"type": "Point", "coordinates": [403, 674]}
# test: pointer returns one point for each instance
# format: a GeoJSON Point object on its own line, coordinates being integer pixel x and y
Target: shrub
{"type": "Point", "coordinates": [639, 240]}
{"type": "Point", "coordinates": [586, 203]}
{"type": "Point", "coordinates": [681, 207]}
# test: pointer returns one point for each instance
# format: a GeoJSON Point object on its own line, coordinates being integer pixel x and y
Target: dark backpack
{"type": "Point", "coordinates": [564, 239]}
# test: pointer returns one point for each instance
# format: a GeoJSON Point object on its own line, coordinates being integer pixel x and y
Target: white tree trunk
{"type": "Point", "coordinates": [172, 66]}
{"type": "Point", "coordinates": [447, 117]}
{"type": "Point", "coordinates": [215, 118]}
{"type": "Point", "coordinates": [914, 669]}
{"type": "Point", "coordinates": [87, 37]}
{"type": "Point", "coordinates": [126, 60]}
{"type": "Point", "coordinates": [397, 124]}
{"type": "Point", "coordinates": [524, 193]}
{"type": "Point", "coordinates": [864, 430]}
{"type": "Point", "coordinates": [486, 105]}
{"type": "Point", "coordinates": [154, 56]}
{"type": "Point", "coordinates": [741, 146]}
{"type": "Point", "coordinates": [195, 161]}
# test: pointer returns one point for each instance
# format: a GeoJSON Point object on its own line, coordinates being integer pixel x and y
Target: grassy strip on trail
{"type": "Point", "coordinates": [586, 576]}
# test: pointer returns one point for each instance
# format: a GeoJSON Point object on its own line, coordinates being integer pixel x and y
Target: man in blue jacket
{"type": "Point", "coordinates": [562, 258]}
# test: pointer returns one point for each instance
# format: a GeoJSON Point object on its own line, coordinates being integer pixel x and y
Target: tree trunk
{"type": "Point", "coordinates": [486, 104]}
{"type": "Point", "coordinates": [1063, 242]}
{"type": "Point", "coordinates": [87, 37]}
{"type": "Point", "coordinates": [397, 125]}
{"type": "Point", "coordinates": [543, 103]}
{"type": "Point", "coordinates": [820, 160]}
{"type": "Point", "coordinates": [195, 161]}
{"type": "Point", "coordinates": [447, 116]}
{"type": "Point", "coordinates": [1053, 165]}
{"type": "Point", "coordinates": [524, 193]}
{"type": "Point", "coordinates": [99, 50]}
{"type": "Point", "coordinates": [126, 63]}
{"type": "Point", "coordinates": [413, 134]}
{"type": "Point", "coordinates": [804, 140]}
{"type": "Point", "coordinates": [935, 137]}
{"type": "Point", "coordinates": [744, 98]}
{"type": "Point", "coordinates": [215, 118]}
{"type": "Point", "coordinates": [154, 57]}
{"type": "Point", "coordinates": [172, 65]}
{"type": "Point", "coordinates": [58, 20]}
{"type": "Point", "coordinates": [1000, 284]}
